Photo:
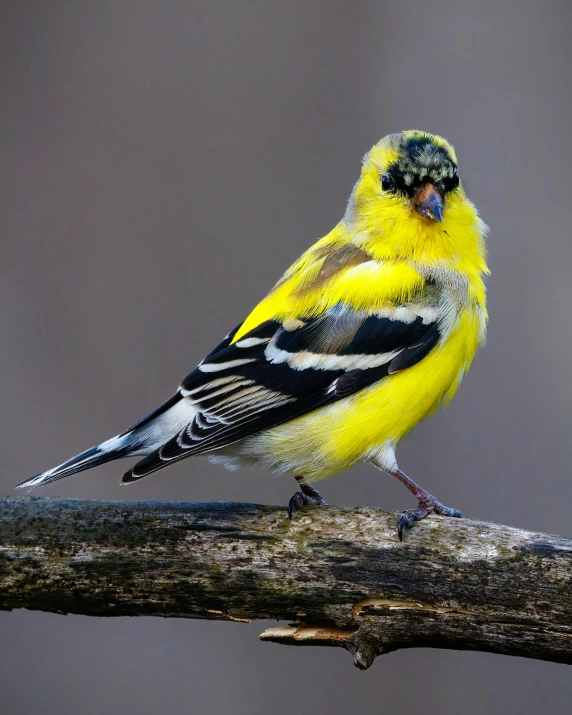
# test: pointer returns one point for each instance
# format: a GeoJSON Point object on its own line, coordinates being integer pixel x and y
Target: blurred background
{"type": "Point", "coordinates": [161, 165]}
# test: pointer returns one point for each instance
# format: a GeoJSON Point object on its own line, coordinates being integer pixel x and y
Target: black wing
{"type": "Point", "coordinates": [280, 371]}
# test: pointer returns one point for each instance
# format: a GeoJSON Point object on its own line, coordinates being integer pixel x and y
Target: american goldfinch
{"type": "Point", "coordinates": [364, 336]}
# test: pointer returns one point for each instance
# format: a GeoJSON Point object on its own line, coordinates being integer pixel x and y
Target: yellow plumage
{"type": "Point", "coordinates": [405, 250]}
{"type": "Point", "coordinates": [366, 334]}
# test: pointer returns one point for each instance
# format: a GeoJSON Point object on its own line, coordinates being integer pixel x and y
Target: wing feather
{"type": "Point", "coordinates": [282, 370]}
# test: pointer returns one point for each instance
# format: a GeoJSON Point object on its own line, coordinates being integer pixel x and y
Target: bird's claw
{"type": "Point", "coordinates": [409, 517]}
{"type": "Point", "coordinates": [446, 511]}
{"type": "Point", "coordinates": [306, 496]}
{"type": "Point", "coordinates": [426, 506]}
{"type": "Point", "coordinates": [295, 503]}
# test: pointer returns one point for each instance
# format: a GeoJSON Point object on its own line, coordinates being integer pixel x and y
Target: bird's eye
{"type": "Point", "coordinates": [387, 182]}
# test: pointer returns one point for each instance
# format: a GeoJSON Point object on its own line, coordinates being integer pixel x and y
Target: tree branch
{"type": "Point", "coordinates": [340, 575]}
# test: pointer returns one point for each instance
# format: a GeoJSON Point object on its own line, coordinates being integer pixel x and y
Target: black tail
{"type": "Point", "coordinates": [114, 448]}
{"type": "Point", "coordinates": [142, 438]}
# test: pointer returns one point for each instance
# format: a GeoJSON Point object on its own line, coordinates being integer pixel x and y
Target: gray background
{"type": "Point", "coordinates": [161, 164]}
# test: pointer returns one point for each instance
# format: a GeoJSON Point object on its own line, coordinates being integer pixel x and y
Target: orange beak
{"type": "Point", "coordinates": [429, 203]}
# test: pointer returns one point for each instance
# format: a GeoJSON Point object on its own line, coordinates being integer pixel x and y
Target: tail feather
{"type": "Point", "coordinates": [142, 438]}
{"type": "Point", "coordinates": [115, 448]}
{"type": "Point", "coordinates": [148, 465]}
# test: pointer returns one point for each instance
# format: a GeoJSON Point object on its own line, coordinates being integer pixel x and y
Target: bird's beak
{"type": "Point", "coordinates": [429, 203]}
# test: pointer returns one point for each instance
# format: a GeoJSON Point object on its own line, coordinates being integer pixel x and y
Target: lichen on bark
{"type": "Point", "coordinates": [338, 576]}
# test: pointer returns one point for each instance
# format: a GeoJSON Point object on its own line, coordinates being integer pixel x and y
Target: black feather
{"type": "Point", "coordinates": [224, 420]}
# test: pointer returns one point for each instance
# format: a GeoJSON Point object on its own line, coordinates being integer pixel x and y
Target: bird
{"type": "Point", "coordinates": [368, 333]}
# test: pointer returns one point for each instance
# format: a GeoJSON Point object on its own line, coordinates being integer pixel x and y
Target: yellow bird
{"type": "Point", "coordinates": [368, 333]}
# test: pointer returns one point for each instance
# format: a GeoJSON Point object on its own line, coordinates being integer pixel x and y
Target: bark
{"type": "Point", "coordinates": [339, 575]}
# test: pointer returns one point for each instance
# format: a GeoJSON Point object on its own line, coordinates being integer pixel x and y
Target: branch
{"type": "Point", "coordinates": [339, 575]}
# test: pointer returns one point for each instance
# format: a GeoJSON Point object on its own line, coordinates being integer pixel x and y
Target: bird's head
{"type": "Point", "coordinates": [407, 175]}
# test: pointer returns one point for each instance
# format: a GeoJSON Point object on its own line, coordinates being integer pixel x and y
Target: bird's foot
{"type": "Point", "coordinates": [306, 496]}
{"type": "Point", "coordinates": [427, 504]}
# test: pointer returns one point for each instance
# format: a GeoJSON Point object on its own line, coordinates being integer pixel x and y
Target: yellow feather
{"type": "Point", "coordinates": [401, 251]}
{"type": "Point", "coordinates": [332, 439]}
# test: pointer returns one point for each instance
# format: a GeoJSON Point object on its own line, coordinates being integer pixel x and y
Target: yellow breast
{"type": "Point", "coordinates": [332, 439]}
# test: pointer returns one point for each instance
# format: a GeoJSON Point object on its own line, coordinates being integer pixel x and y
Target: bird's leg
{"type": "Point", "coordinates": [427, 504]}
{"type": "Point", "coordinates": [306, 495]}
